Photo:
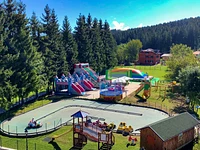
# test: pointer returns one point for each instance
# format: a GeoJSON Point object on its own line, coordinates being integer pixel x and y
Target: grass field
{"type": "Point", "coordinates": [62, 143]}
{"type": "Point", "coordinates": [172, 102]}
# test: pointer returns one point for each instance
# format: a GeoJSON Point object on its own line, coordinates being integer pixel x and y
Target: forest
{"type": "Point", "coordinates": [33, 50]}
{"type": "Point", "coordinates": [163, 36]}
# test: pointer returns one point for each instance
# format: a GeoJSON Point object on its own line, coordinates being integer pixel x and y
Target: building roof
{"type": "Point", "coordinates": [173, 126]}
{"type": "Point", "coordinates": [166, 55]}
{"type": "Point", "coordinates": [151, 50]}
{"type": "Point", "coordinates": [196, 53]}
{"type": "Point", "coordinates": [80, 114]}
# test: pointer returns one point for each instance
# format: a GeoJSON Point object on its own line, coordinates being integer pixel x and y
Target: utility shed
{"type": "Point", "coordinates": [172, 133]}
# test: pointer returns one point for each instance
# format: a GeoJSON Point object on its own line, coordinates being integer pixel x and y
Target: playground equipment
{"type": "Point", "coordinates": [34, 124]}
{"type": "Point", "coordinates": [84, 81]}
{"type": "Point", "coordinates": [129, 72]}
{"type": "Point", "coordinates": [91, 74]}
{"type": "Point", "coordinates": [84, 129]}
{"type": "Point", "coordinates": [114, 92]}
{"type": "Point", "coordinates": [132, 140]}
{"type": "Point", "coordinates": [68, 85]}
{"type": "Point", "coordinates": [147, 89]}
{"type": "Point", "coordinates": [122, 128]}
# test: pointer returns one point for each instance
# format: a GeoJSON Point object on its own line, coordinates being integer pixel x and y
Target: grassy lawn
{"type": "Point", "coordinates": [64, 142]}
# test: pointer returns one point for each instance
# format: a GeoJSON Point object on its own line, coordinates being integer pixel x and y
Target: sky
{"type": "Point", "coordinates": [120, 14]}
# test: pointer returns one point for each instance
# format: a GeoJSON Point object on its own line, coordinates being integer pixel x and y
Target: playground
{"type": "Point", "coordinates": [48, 115]}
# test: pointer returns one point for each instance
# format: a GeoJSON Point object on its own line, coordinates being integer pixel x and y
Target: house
{"type": "Point", "coordinates": [172, 133]}
{"type": "Point", "coordinates": [197, 53]}
{"type": "Point", "coordinates": [149, 57]}
{"type": "Point", "coordinates": [166, 57]}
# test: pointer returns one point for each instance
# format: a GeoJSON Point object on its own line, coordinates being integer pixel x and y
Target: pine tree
{"type": "Point", "coordinates": [110, 47]}
{"type": "Point", "coordinates": [7, 51]}
{"type": "Point", "coordinates": [56, 45]}
{"type": "Point", "coordinates": [52, 46]}
{"type": "Point", "coordinates": [102, 54]}
{"type": "Point", "coordinates": [28, 66]}
{"type": "Point", "coordinates": [35, 30]}
{"type": "Point", "coordinates": [97, 46]}
{"type": "Point", "coordinates": [81, 37]}
{"type": "Point", "coordinates": [90, 53]}
{"type": "Point", "coordinates": [69, 44]}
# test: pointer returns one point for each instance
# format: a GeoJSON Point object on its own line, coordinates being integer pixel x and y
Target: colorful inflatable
{"type": "Point", "coordinates": [129, 72]}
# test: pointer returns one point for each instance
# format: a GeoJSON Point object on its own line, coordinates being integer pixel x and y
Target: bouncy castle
{"type": "Point", "coordinates": [129, 72]}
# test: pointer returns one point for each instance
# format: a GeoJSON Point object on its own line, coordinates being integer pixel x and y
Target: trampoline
{"type": "Point", "coordinates": [109, 94]}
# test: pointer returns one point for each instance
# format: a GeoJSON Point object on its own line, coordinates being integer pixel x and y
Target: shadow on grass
{"type": "Point", "coordinates": [56, 98]}
{"type": "Point", "coordinates": [140, 99]}
{"type": "Point", "coordinates": [181, 109]}
{"type": "Point", "coordinates": [55, 145]}
{"type": "Point", "coordinates": [75, 148]}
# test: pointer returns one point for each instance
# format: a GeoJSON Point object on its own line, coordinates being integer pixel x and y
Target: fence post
{"type": "Point", "coordinates": [46, 126]}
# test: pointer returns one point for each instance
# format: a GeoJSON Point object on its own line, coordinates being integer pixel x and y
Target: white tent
{"type": "Point", "coordinates": [121, 79]}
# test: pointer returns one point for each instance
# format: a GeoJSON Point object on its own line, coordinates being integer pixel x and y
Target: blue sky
{"type": "Point", "coordinates": [121, 14]}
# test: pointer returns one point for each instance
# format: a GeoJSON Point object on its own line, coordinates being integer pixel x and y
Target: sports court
{"type": "Point", "coordinates": [56, 113]}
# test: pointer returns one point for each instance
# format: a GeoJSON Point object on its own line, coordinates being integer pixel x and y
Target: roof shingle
{"type": "Point", "coordinates": [173, 126]}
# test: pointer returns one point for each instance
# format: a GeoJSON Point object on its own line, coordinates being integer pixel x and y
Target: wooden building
{"type": "Point", "coordinates": [149, 57]}
{"type": "Point", "coordinates": [172, 133]}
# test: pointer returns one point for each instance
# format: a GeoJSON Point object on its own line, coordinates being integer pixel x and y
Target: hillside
{"type": "Point", "coordinates": [162, 36]}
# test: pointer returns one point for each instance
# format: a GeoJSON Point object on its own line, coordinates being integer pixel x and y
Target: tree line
{"type": "Point", "coordinates": [33, 51]}
{"type": "Point", "coordinates": [163, 36]}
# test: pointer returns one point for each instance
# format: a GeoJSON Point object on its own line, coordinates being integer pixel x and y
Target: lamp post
{"type": "Point", "coordinates": [26, 132]}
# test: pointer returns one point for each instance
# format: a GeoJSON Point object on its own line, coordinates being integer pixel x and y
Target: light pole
{"type": "Point", "coordinates": [26, 132]}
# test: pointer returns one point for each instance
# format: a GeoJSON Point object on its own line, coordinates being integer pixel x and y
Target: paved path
{"type": "Point", "coordinates": [59, 112]}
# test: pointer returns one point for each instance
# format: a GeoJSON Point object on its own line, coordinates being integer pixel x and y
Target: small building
{"type": "Point", "coordinates": [172, 133]}
{"type": "Point", "coordinates": [149, 57]}
{"type": "Point", "coordinates": [166, 57]}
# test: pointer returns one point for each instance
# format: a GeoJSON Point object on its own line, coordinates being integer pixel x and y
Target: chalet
{"type": "Point", "coordinates": [166, 57]}
{"type": "Point", "coordinates": [172, 133]}
{"type": "Point", "coordinates": [149, 57]}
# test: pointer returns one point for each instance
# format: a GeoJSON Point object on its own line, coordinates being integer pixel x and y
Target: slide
{"type": "Point", "coordinates": [92, 85]}
{"type": "Point", "coordinates": [91, 73]}
{"type": "Point", "coordinates": [86, 85]}
{"type": "Point", "coordinates": [75, 90]}
{"type": "Point", "coordinates": [80, 87]}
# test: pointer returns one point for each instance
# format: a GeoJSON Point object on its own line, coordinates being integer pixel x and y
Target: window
{"type": "Point", "coordinates": [147, 56]}
{"type": "Point", "coordinates": [151, 56]}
